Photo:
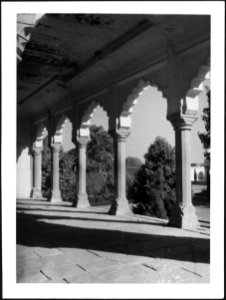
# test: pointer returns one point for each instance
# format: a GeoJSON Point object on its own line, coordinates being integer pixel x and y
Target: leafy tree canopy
{"type": "Point", "coordinates": [100, 185]}
{"type": "Point", "coordinates": [205, 136]}
{"type": "Point", "coordinates": [100, 164]}
{"type": "Point", "coordinates": [154, 185]}
{"type": "Point", "coordinates": [133, 162]}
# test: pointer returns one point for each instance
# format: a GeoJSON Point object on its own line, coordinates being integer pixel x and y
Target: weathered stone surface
{"type": "Point", "coordinates": [80, 249]}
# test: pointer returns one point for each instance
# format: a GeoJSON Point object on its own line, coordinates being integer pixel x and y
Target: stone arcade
{"type": "Point", "coordinates": [68, 64]}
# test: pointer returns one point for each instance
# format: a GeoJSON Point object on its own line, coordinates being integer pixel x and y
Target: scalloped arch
{"type": "Point", "coordinates": [136, 92]}
{"type": "Point", "coordinates": [42, 132]}
{"type": "Point", "coordinates": [61, 123]}
{"type": "Point", "coordinates": [89, 112]}
{"type": "Point", "coordinates": [196, 87]}
{"type": "Point", "coordinates": [197, 82]}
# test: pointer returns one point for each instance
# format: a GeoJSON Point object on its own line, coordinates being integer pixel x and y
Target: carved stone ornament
{"type": "Point", "coordinates": [56, 147]}
{"type": "Point", "coordinates": [122, 134]}
{"type": "Point", "coordinates": [182, 121]}
{"type": "Point", "coordinates": [83, 141]}
{"type": "Point", "coordinates": [37, 150]}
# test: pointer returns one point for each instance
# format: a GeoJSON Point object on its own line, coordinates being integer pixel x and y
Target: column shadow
{"type": "Point", "coordinates": [32, 231]}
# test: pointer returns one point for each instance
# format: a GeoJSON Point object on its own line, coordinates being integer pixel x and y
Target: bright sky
{"type": "Point", "coordinates": [215, 289]}
{"type": "Point", "coordinates": [149, 121]}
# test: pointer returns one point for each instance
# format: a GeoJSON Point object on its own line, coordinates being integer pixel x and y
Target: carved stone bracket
{"type": "Point", "coordinates": [56, 147]}
{"type": "Point", "coordinates": [37, 150]}
{"type": "Point", "coordinates": [122, 134]}
{"type": "Point", "coordinates": [82, 141]}
{"type": "Point", "coordinates": [182, 121]}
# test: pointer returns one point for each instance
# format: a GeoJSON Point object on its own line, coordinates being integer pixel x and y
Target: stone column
{"type": "Point", "coordinates": [120, 204]}
{"type": "Point", "coordinates": [37, 173]}
{"type": "Point", "coordinates": [207, 175]}
{"type": "Point", "coordinates": [184, 215]}
{"type": "Point", "coordinates": [82, 198]}
{"type": "Point", "coordinates": [56, 194]}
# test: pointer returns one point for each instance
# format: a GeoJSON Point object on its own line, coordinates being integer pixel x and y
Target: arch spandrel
{"type": "Point", "coordinates": [190, 103]}
{"type": "Point", "coordinates": [40, 132]}
{"type": "Point", "coordinates": [58, 124]}
{"type": "Point", "coordinates": [86, 115]}
{"type": "Point", "coordinates": [132, 99]}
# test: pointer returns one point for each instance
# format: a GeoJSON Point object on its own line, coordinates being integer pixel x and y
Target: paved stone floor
{"type": "Point", "coordinates": [61, 244]}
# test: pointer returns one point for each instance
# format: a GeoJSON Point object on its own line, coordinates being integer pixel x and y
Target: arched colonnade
{"type": "Point", "coordinates": [116, 59]}
{"type": "Point", "coordinates": [181, 113]}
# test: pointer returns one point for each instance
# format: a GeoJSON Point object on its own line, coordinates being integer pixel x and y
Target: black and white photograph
{"type": "Point", "coordinates": [117, 168]}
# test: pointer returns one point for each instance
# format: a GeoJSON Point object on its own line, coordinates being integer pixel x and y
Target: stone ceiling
{"type": "Point", "coordinates": [71, 53]}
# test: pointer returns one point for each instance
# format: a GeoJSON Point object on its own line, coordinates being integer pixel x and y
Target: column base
{"type": "Point", "coordinates": [36, 194]}
{"type": "Point", "coordinates": [56, 197]}
{"type": "Point", "coordinates": [190, 219]}
{"type": "Point", "coordinates": [120, 206]}
{"type": "Point", "coordinates": [82, 201]}
{"type": "Point", "coordinates": [184, 218]}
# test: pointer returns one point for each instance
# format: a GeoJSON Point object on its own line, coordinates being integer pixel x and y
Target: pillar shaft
{"type": "Point", "coordinates": [120, 204]}
{"type": "Point", "coordinates": [184, 215]}
{"type": "Point", "coordinates": [37, 174]}
{"type": "Point", "coordinates": [183, 159]}
{"type": "Point", "coordinates": [82, 198]}
{"type": "Point", "coordinates": [56, 194]}
{"type": "Point", "coordinates": [121, 167]}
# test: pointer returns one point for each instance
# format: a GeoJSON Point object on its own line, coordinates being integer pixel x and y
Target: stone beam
{"type": "Point", "coordinates": [99, 55]}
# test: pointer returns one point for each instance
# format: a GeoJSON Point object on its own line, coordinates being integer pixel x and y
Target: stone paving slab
{"type": "Point", "coordinates": [74, 256]}
{"type": "Point", "coordinates": [115, 274]}
{"type": "Point", "coordinates": [59, 244]}
{"type": "Point", "coordinates": [63, 271]}
{"type": "Point", "coordinates": [31, 277]}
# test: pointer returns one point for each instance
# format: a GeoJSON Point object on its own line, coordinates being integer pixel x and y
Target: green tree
{"type": "Point", "coordinates": [46, 170]}
{"type": "Point", "coordinates": [154, 185]}
{"type": "Point", "coordinates": [205, 136]}
{"type": "Point", "coordinates": [100, 182]}
{"type": "Point", "coordinates": [133, 164]}
{"type": "Point", "coordinates": [100, 164]}
{"type": "Point", "coordinates": [68, 185]}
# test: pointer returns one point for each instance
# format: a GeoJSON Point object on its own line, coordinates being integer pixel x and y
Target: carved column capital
{"type": "Point", "coordinates": [37, 150]}
{"type": "Point", "coordinates": [82, 141]}
{"type": "Point", "coordinates": [56, 147]}
{"type": "Point", "coordinates": [182, 121]}
{"type": "Point", "coordinates": [122, 134]}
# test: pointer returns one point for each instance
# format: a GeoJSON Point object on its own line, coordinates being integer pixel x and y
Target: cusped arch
{"type": "Point", "coordinates": [40, 134]}
{"type": "Point", "coordinates": [136, 92]}
{"type": "Point", "coordinates": [85, 123]}
{"type": "Point", "coordinates": [60, 122]}
{"type": "Point", "coordinates": [190, 103]}
{"type": "Point", "coordinates": [128, 106]}
{"type": "Point", "coordinates": [89, 112]}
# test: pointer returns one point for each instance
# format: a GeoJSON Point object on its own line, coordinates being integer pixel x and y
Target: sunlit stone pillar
{"type": "Point", "coordinates": [184, 215]}
{"type": "Point", "coordinates": [37, 179]}
{"type": "Point", "coordinates": [56, 194]}
{"type": "Point", "coordinates": [82, 198]}
{"type": "Point", "coordinates": [120, 204]}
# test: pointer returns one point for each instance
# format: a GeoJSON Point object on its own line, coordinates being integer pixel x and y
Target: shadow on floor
{"type": "Point", "coordinates": [72, 210]}
{"type": "Point", "coordinates": [33, 232]}
{"type": "Point", "coordinates": [98, 220]}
